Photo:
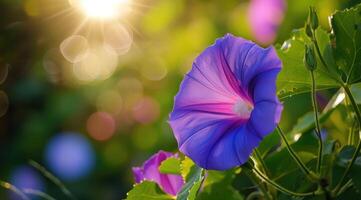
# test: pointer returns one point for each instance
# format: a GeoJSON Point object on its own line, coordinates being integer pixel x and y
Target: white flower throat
{"type": "Point", "coordinates": [243, 108]}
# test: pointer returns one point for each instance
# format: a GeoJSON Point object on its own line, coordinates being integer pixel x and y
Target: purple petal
{"type": "Point", "coordinates": [265, 117]}
{"type": "Point", "coordinates": [171, 184]}
{"type": "Point", "coordinates": [138, 174]}
{"type": "Point", "coordinates": [224, 100]}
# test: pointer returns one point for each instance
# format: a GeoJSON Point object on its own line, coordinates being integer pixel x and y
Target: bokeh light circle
{"type": "Point", "coordinates": [99, 64]}
{"type": "Point", "coordinates": [131, 90]}
{"type": "Point", "coordinates": [110, 101]}
{"type": "Point", "coordinates": [25, 177]}
{"type": "Point", "coordinates": [53, 64]}
{"type": "Point", "coordinates": [74, 48]}
{"type": "Point", "coordinates": [4, 71]}
{"type": "Point", "coordinates": [101, 126]}
{"type": "Point", "coordinates": [115, 154]}
{"type": "Point", "coordinates": [154, 73]}
{"type": "Point", "coordinates": [118, 38]}
{"type": "Point", "coordinates": [146, 110]}
{"type": "Point", "coordinates": [70, 156]}
{"type": "Point", "coordinates": [4, 103]}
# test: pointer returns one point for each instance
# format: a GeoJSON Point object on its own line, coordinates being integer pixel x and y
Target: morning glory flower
{"type": "Point", "coordinates": [227, 103]}
{"type": "Point", "coordinates": [264, 17]}
{"type": "Point", "coordinates": [170, 183]}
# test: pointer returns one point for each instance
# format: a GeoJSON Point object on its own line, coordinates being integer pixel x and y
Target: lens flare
{"type": "Point", "coordinates": [104, 9]}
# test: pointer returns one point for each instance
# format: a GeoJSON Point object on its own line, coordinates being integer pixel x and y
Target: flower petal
{"type": "Point", "coordinates": [265, 86]}
{"type": "Point", "coordinates": [171, 184]}
{"type": "Point", "coordinates": [210, 120]}
{"type": "Point", "coordinates": [265, 116]}
{"type": "Point", "coordinates": [138, 174]}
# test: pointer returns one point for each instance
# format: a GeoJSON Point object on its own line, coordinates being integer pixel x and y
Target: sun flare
{"type": "Point", "coordinates": [103, 9]}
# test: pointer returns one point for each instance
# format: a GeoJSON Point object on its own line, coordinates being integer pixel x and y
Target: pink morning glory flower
{"type": "Point", "coordinates": [264, 17]}
{"type": "Point", "coordinates": [170, 183]}
{"type": "Point", "coordinates": [227, 103]}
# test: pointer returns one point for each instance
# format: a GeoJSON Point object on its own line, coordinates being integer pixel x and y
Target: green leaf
{"type": "Point", "coordinates": [306, 147]}
{"type": "Point", "coordinates": [193, 176]}
{"type": "Point", "coordinates": [347, 52]}
{"type": "Point", "coordinates": [356, 92]}
{"type": "Point", "coordinates": [294, 78]}
{"type": "Point", "coordinates": [307, 122]}
{"type": "Point", "coordinates": [147, 190]}
{"type": "Point", "coordinates": [218, 185]}
{"type": "Point", "coordinates": [269, 144]}
{"type": "Point", "coordinates": [342, 161]}
{"type": "Point", "coordinates": [170, 166]}
{"type": "Point", "coordinates": [186, 166]}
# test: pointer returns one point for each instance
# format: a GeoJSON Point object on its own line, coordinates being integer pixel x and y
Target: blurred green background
{"type": "Point", "coordinates": [121, 118]}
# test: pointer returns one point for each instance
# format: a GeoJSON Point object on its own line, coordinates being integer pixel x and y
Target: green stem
{"type": "Point", "coordinates": [355, 154]}
{"type": "Point", "coordinates": [319, 51]}
{"type": "Point", "coordinates": [345, 187]}
{"type": "Point", "coordinates": [280, 188]}
{"type": "Point", "coordinates": [254, 179]}
{"type": "Point", "coordinates": [317, 122]}
{"type": "Point", "coordinates": [261, 162]}
{"type": "Point", "coordinates": [314, 40]}
{"type": "Point", "coordinates": [264, 168]}
{"type": "Point", "coordinates": [38, 193]}
{"type": "Point", "coordinates": [351, 136]}
{"type": "Point", "coordinates": [14, 189]}
{"type": "Point", "coordinates": [293, 154]}
{"type": "Point", "coordinates": [52, 178]}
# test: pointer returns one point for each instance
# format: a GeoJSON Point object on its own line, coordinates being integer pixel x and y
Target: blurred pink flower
{"type": "Point", "coordinates": [171, 184]}
{"type": "Point", "coordinates": [265, 16]}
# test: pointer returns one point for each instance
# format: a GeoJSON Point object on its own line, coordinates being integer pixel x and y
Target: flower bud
{"type": "Point", "coordinates": [310, 58]}
{"type": "Point", "coordinates": [312, 18]}
{"type": "Point", "coordinates": [308, 30]}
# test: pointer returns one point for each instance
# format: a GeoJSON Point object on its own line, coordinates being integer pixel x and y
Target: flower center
{"type": "Point", "coordinates": [243, 109]}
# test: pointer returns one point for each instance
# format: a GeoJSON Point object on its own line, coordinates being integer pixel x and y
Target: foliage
{"type": "Point", "coordinates": [42, 98]}
{"type": "Point", "coordinates": [279, 175]}
{"type": "Point", "coordinates": [147, 190]}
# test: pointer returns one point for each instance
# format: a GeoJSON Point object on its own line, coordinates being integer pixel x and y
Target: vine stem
{"type": "Point", "coordinates": [318, 50]}
{"type": "Point", "coordinates": [281, 188]}
{"type": "Point", "coordinates": [317, 122]}
{"type": "Point", "coordinates": [261, 161]}
{"type": "Point", "coordinates": [262, 188]}
{"type": "Point", "coordinates": [345, 187]}
{"type": "Point", "coordinates": [313, 177]}
{"type": "Point", "coordinates": [355, 154]}
{"type": "Point", "coordinates": [14, 189]}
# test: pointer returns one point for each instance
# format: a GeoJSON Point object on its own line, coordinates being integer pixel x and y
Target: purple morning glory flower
{"type": "Point", "coordinates": [170, 183]}
{"type": "Point", "coordinates": [264, 17]}
{"type": "Point", "coordinates": [227, 103]}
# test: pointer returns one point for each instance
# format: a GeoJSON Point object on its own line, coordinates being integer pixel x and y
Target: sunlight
{"type": "Point", "coordinates": [103, 9]}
